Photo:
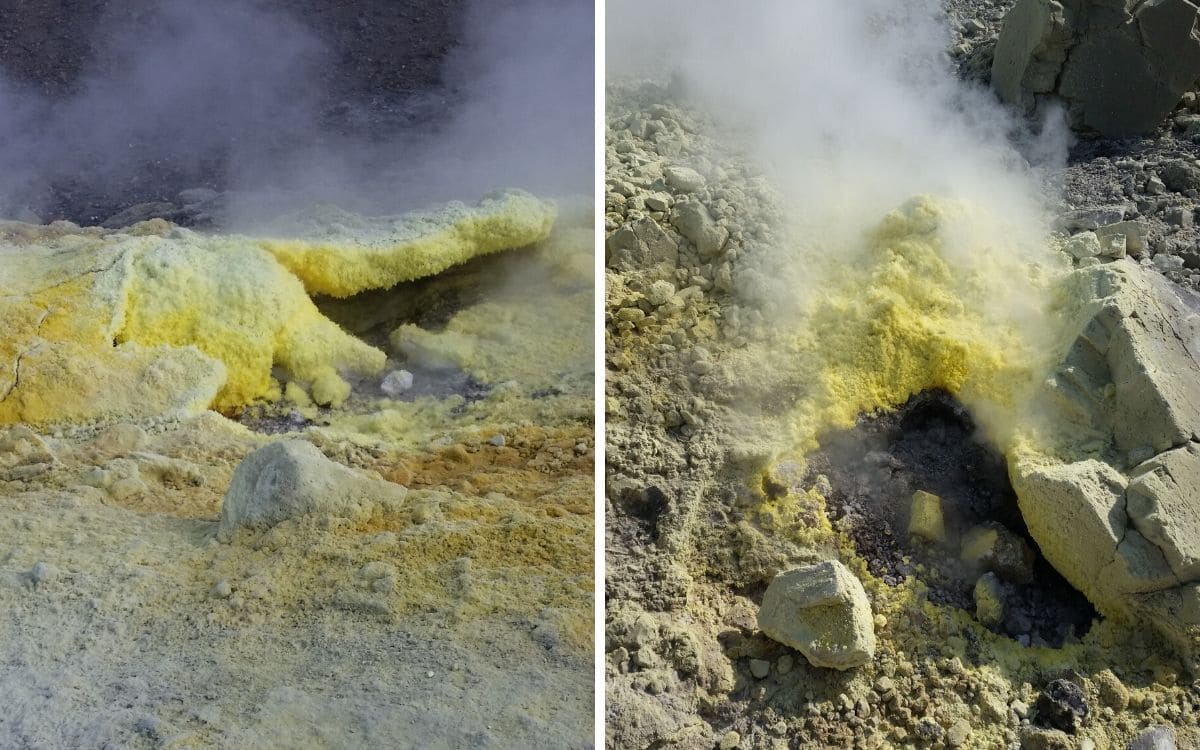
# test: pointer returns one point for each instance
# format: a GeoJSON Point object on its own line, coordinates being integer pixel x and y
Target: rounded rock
{"type": "Point", "coordinates": [822, 611]}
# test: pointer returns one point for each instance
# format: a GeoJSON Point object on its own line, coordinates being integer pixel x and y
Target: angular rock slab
{"type": "Point", "coordinates": [292, 479]}
{"type": "Point", "coordinates": [420, 244]}
{"type": "Point", "coordinates": [1120, 70]}
{"type": "Point", "coordinates": [1163, 500]}
{"type": "Point", "coordinates": [1113, 504]}
{"type": "Point", "coordinates": [821, 611]}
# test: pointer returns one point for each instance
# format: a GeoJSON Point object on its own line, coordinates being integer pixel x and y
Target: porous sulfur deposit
{"type": "Point", "coordinates": [63, 303]}
{"type": "Point", "coordinates": [236, 304]}
{"type": "Point", "coordinates": [903, 319]}
{"type": "Point", "coordinates": [157, 319]}
{"type": "Point", "coordinates": [414, 246]}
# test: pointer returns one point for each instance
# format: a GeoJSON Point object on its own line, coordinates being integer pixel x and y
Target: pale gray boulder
{"type": "Point", "coordinates": [292, 479]}
{"type": "Point", "coordinates": [822, 611]}
{"type": "Point", "coordinates": [1113, 507]}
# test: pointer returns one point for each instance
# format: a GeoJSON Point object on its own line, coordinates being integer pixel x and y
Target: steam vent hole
{"type": "Point", "coordinates": [967, 541]}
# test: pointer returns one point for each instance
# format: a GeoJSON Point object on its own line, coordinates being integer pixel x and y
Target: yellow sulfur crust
{"type": "Point", "coordinates": [909, 322]}
{"type": "Point", "coordinates": [443, 240]}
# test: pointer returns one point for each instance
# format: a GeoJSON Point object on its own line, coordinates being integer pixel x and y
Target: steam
{"type": "Point", "coordinates": [851, 107]}
{"type": "Point", "coordinates": [242, 90]}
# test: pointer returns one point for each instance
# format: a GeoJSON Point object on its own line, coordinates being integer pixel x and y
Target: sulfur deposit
{"type": "Point", "coordinates": [772, 414]}
{"type": "Point", "coordinates": [222, 530]}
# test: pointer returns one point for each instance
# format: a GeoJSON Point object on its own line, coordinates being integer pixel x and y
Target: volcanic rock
{"type": "Point", "coordinates": [1119, 524]}
{"type": "Point", "coordinates": [926, 519]}
{"type": "Point", "coordinates": [1154, 738]}
{"type": "Point", "coordinates": [641, 242]}
{"type": "Point", "coordinates": [140, 212]}
{"type": "Point", "coordinates": [1120, 70]}
{"type": "Point", "coordinates": [684, 179]}
{"type": "Point", "coordinates": [996, 549]}
{"type": "Point", "coordinates": [293, 480]}
{"type": "Point", "coordinates": [695, 223]}
{"type": "Point", "coordinates": [1161, 502]}
{"type": "Point", "coordinates": [1061, 705]}
{"type": "Point", "coordinates": [822, 611]}
{"type": "Point", "coordinates": [1180, 176]}
{"type": "Point", "coordinates": [989, 600]}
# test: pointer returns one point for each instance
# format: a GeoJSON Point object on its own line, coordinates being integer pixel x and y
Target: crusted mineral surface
{"type": "Point", "coordinates": [409, 568]}
{"type": "Point", "coordinates": [161, 319]}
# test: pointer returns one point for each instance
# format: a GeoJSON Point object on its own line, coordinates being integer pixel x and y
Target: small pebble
{"type": "Point", "coordinates": [497, 440]}
{"type": "Point", "coordinates": [760, 668]}
{"type": "Point", "coordinates": [958, 734]}
{"type": "Point", "coordinates": [396, 382]}
{"type": "Point", "coordinates": [377, 569]}
{"type": "Point", "coordinates": [785, 664]}
{"type": "Point", "coordinates": [40, 572]}
{"type": "Point", "coordinates": [221, 589]}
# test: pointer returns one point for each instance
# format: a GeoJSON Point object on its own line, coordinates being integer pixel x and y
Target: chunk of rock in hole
{"type": "Point", "coordinates": [396, 382]}
{"type": "Point", "coordinates": [822, 611]}
{"type": "Point", "coordinates": [927, 520]}
{"type": "Point", "coordinates": [989, 600]}
{"type": "Point", "coordinates": [994, 548]}
{"type": "Point", "coordinates": [291, 479]}
{"type": "Point", "coordinates": [1061, 705]}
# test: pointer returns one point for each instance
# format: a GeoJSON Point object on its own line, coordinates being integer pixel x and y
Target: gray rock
{"type": "Point", "coordinates": [1168, 264]}
{"type": "Point", "coordinates": [1120, 72]}
{"type": "Point", "coordinates": [1180, 176]}
{"type": "Point", "coordinates": [1094, 218]}
{"type": "Point", "coordinates": [196, 196]}
{"type": "Point", "coordinates": [1084, 245]}
{"type": "Point", "coordinates": [396, 383]}
{"type": "Point", "coordinates": [1179, 216]}
{"type": "Point", "coordinates": [822, 611]}
{"type": "Point", "coordinates": [1125, 533]}
{"type": "Point", "coordinates": [291, 479]}
{"type": "Point", "coordinates": [684, 179]}
{"type": "Point", "coordinates": [140, 212]}
{"type": "Point", "coordinates": [1134, 234]}
{"type": "Point", "coordinates": [1154, 738]}
{"type": "Point", "coordinates": [641, 243]}
{"type": "Point", "coordinates": [994, 548]}
{"type": "Point", "coordinates": [760, 668]}
{"type": "Point", "coordinates": [1061, 705]}
{"type": "Point", "coordinates": [695, 223]}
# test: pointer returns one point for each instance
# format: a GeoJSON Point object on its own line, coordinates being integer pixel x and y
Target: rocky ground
{"type": "Point", "coordinates": [415, 571]}
{"type": "Point", "coordinates": [708, 496]}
